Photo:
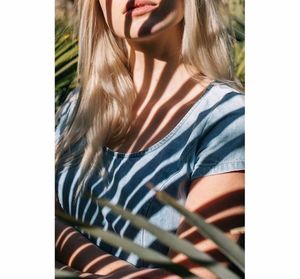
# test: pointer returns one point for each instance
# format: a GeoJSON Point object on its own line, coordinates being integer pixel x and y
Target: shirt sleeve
{"type": "Point", "coordinates": [64, 114]}
{"type": "Point", "coordinates": [220, 147]}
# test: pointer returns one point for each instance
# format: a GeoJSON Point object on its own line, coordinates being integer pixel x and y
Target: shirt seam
{"type": "Point", "coordinates": [237, 165]}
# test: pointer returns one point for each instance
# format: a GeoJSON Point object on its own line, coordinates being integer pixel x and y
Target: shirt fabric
{"type": "Point", "coordinates": [208, 140]}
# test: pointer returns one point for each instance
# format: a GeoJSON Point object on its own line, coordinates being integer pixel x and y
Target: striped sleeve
{"type": "Point", "coordinates": [221, 146]}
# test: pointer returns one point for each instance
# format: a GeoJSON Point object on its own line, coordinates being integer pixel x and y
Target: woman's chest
{"type": "Point", "coordinates": [129, 182]}
{"type": "Point", "coordinates": [152, 122]}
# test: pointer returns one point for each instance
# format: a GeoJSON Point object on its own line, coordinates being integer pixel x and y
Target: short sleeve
{"type": "Point", "coordinates": [220, 148]}
{"type": "Point", "coordinates": [64, 113]}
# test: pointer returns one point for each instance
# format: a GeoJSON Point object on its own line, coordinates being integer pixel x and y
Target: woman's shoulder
{"type": "Point", "coordinates": [224, 102]}
{"type": "Point", "coordinates": [220, 102]}
{"type": "Point", "coordinates": [223, 95]}
{"type": "Point", "coordinates": [220, 139]}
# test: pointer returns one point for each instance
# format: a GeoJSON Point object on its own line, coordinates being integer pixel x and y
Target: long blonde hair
{"type": "Point", "coordinates": [107, 93]}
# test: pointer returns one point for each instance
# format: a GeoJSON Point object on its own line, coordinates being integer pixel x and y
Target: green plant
{"type": "Point", "coordinates": [237, 21]}
{"type": "Point", "coordinates": [66, 53]}
{"type": "Point", "coordinates": [229, 248]}
{"type": "Point", "coordinates": [62, 274]}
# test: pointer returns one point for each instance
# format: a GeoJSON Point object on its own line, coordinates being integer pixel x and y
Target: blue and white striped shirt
{"type": "Point", "coordinates": [208, 140]}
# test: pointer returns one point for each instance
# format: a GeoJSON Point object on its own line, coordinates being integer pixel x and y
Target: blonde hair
{"type": "Point", "coordinates": [107, 93]}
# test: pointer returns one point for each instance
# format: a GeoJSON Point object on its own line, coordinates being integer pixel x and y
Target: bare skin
{"type": "Point", "coordinates": [166, 90]}
{"type": "Point", "coordinates": [221, 202]}
{"type": "Point", "coordinates": [220, 199]}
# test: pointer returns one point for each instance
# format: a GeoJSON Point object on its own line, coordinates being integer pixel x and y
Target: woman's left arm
{"type": "Point", "coordinates": [220, 200]}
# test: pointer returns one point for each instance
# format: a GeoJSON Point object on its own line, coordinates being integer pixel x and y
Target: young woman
{"type": "Point", "coordinates": [158, 104]}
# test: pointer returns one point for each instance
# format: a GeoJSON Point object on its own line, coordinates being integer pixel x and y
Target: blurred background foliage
{"type": "Point", "coordinates": [66, 49]}
{"type": "Point", "coordinates": [237, 15]}
{"type": "Point", "coordinates": [66, 44]}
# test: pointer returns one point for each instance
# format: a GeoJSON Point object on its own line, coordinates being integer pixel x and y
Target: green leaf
{"type": "Point", "coordinates": [226, 245]}
{"type": "Point", "coordinates": [62, 274]}
{"type": "Point", "coordinates": [66, 57]}
{"type": "Point", "coordinates": [70, 67]}
{"type": "Point", "coordinates": [65, 48]}
{"type": "Point", "coordinates": [173, 241]}
{"type": "Point", "coordinates": [66, 52]}
{"type": "Point", "coordinates": [70, 220]}
{"type": "Point", "coordinates": [128, 245]}
{"type": "Point", "coordinates": [145, 254]}
{"type": "Point", "coordinates": [61, 39]}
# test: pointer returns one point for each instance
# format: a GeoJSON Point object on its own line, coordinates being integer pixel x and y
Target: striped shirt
{"type": "Point", "coordinates": [208, 140]}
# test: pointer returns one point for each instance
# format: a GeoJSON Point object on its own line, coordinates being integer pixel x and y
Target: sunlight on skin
{"type": "Point", "coordinates": [161, 126]}
{"type": "Point", "coordinates": [157, 71]}
{"type": "Point", "coordinates": [124, 273]}
{"type": "Point", "coordinates": [94, 261]}
{"type": "Point", "coordinates": [114, 266]}
{"type": "Point", "coordinates": [203, 192]}
{"type": "Point", "coordinates": [77, 251]}
{"type": "Point", "coordinates": [175, 110]}
{"type": "Point", "coordinates": [159, 78]}
{"type": "Point", "coordinates": [192, 234]}
{"type": "Point", "coordinates": [66, 239]}
{"type": "Point", "coordinates": [161, 110]}
{"type": "Point", "coordinates": [233, 211]}
{"type": "Point", "coordinates": [61, 236]}
{"type": "Point", "coordinates": [168, 13]}
{"type": "Point", "coordinates": [212, 186]}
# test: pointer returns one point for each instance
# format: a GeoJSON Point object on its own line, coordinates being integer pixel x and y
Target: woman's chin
{"type": "Point", "coordinates": [148, 32]}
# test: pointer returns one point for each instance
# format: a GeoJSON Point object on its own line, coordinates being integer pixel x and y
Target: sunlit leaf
{"type": "Point", "coordinates": [128, 245]}
{"type": "Point", "coordinates": [63, 274]}
{"type": "Point", "coordinates": [229, 248]}
{"type": "Point", "coordinates": [173, 241]}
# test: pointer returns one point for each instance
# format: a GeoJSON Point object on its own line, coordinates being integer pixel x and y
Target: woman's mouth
{"type": "Point", "coordinates": [139, 7]}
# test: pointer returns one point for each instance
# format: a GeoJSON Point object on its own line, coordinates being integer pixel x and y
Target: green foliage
{"type": "Point", "coordinates": [146, 254]}
{"type": "Point", "coordinates": [63, 274]}
{"type": "Point", "coordinates": [237, 12]}
{"type": "Point", "coordinates": [66, 53]}
{"type": "Point", "coordinates": [173, 241]}
{"type": "Point", "coordinates": [227, 246]}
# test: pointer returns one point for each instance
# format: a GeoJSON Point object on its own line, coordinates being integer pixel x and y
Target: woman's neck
{"type": "Point", "coordinates": [155, 60]}
{"type": "Point", "coordinates": [166, 90]}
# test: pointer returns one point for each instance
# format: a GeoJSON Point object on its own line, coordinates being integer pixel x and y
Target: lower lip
{"type": "Point", "coordinates": [138, 11]}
